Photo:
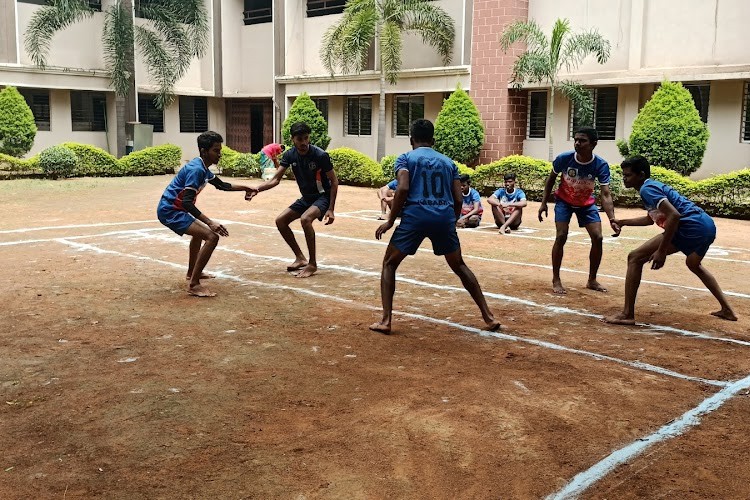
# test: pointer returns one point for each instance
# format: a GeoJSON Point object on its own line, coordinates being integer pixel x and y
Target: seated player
{"type": "Point", "coordinates": [687, 229]}
{"type": "Point", "coordinates": [507, 205]}
{"type": "Point", "coordinates": [471, 208]}
{"type": "Point", "coordinates": [385, 194]}
{"type": "Point", "coordinates": [178, 212]}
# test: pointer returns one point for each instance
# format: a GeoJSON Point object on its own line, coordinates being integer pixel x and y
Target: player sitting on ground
{"type": "Point", "coordinates": [318, 186]}
{"type": "Point", "coordinates": [178, 212]}
{"type": "Point", "coordinates": [687, 229]}
{"type": "Point", "coordinates": [385, 194]}
{"type": "Point", "coordinates": [507, 205]}
{"type": "Point", "coordinates": [580, 170]}
{"type": "Point", "coordinates": [471, 207]}
{"type": "Point", "coordinates": [429, 199]}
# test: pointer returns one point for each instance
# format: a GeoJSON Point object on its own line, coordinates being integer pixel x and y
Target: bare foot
{"type": "Point", "coordinates": [558, 288]}
{"type": "Point", "coordinates": [505, 230]}
{"type": "Point", "coordinates": [383, 328]}
{"type": "Point", "coordinates": [493, 326]}
{"type": "Point", "coordinates": [200, 291]}
{"type": "Point", "coordinates": [203, 276]}
{"type": "Point", "coordinates": [296, 265]}
{"type": "Point", "coordinates": [619, 319]}
{"type": "Point", "coordinates": [594, 285]}
{"type": "Point", "coordinates": [307, 271]}
{"type": "Point", "coordinates": [382, 217]}
{"type": "Point", "coordinates": [726, 314]}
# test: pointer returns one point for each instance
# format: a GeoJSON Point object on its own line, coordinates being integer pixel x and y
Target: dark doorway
{"type": "Point", "coordinates": [256, 127]}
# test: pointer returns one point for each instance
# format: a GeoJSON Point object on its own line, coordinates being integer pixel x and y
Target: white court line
{"type": "Point", "coordinates": [265, 284]}
{"type": "Point", "coordinates": [76, 226]}
{"type": "Point", "coordinates": [507, 298]}
{"type": "Point", "coordinates": [110, 233]}
{"type": "Point", "coordinates": [466, 256]}
{"type": "Point", "coordinates": [691, 418]}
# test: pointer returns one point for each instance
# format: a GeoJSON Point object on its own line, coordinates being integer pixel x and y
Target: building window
{"type": "Point", "coordinates": [38, 101]}
{"type": "Point", "coordinates": [322, 104]}
{"type": "Point", "coordinates": [746, 114]}
{"type": "Point", "coordinates": [700, 93]}
{"type": "Point", "coordinates": [358, 116]}
{"type": "Point", "coordinates": [605, 113]}
{"type": "Point", "coordinates": [193, 114]}
{"type": "Point", "coordinates": [406, 109]}
{"type": "Point", "coordinates": [325, 7]}
{"type": "Point", "coordinates": [149, 114]}
{"type": "Point", "coordinates": [258, 11]}
{"type": "Point", "coordinates": [88, 111]}
{"type": "Point", "coordinates": [536, 117]}
{"type": "Point", "coordinates": [96, 5]}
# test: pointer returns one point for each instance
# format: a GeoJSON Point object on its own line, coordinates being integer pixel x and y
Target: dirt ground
{"type": "Point", "coordinates": [117, 384]}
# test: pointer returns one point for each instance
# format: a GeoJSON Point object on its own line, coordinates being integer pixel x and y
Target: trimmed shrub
{"type": "Point", "coordinates": [17, 127]}
{"type": "Point", "coordinates": [726, 194]}
{"type": "Point", "coordinates": [668, 131]}
{"type": "Point", "coordinates": [155, 160]}
{"type": "Point", "coordinates": [13, 165]}
{"type": "Point", "coordinates": [304, 110]}
{"type": "Point", "coordinates": [356, 169]}
{"type": "Point", "coordinates": [389, 161]}
{"type": "Point", "coordinates": [531, 174]}
{"type": "Point", "coordinates": [459, 133]}
{"type": "Point", "coordinates": [236, 164]}
{"type": "Point", "coordinates": [93, 161]}
{"type": "Point", "coordinates": [58, 161]}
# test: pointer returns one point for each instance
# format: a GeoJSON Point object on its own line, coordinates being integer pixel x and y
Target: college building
{"type": "Point", "coordinates": [264, 53]}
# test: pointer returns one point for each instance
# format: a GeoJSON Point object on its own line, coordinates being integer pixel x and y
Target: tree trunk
{"type": "Point", "coordinates": [381, 102]}
{"type": "Point", "coordinates": [550, 117]}
{"type": "Point", "coordinates": [126, 105]}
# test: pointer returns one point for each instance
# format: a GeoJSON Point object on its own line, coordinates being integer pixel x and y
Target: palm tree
{"type": "Point", "coordinates": [382, 23]}
{"type": "Point", "coordinates": [545, 57]}
{"type": "Point", "coordinates": [178, 31]}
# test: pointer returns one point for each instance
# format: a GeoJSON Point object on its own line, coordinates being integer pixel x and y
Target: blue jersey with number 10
{"type": "Point", "coordinates": [430, 199]}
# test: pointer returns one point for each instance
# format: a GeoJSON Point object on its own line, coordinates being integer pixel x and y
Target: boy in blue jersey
{"type": "Point", "coordinates": [471, 206]}
{"type": "Point", "coordinates": [428, 199]}
{"type": "Point", "coordinates": [318, 186]}
{"type": "Point", "coordinates": [178, 212]}
{"type": "Point", "coordinates": [687, 229]}
{"type": "Point", "coordinates": [385, 194]}
{"type": "Point", "coordinates": [580, 170]}
{"type": "Point", "coordinates": [507, 205]}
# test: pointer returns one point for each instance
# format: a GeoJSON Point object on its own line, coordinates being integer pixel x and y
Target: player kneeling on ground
{"type": "Point", "coordinates": [507, 205]}
{"type": "Point", "coordinates": [178, 212]}
{"type": "Point", "coordinates": [471, 207]}
{"type": "Point", "coordinates": [429, 199]}
{"type": "Point", "coordinates": [687, 229]}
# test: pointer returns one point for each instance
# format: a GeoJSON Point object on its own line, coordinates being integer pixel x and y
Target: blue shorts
{"type": "Point", "coordinates": [176, 220]}
{"type": "Point", "coordinates": [322, 202]}
{"type": "Point", "coordinates": [695, 234]}
{"type": "Point", "coordinates": [585, 215]}
{"type": "Point", "coordinates": [443, 237]}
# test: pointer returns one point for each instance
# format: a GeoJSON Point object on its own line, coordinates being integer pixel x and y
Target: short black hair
{"type": "Point", "coordinates": [510, 176]}
{"type": "Point", "coordinates": [638, 164]}
{"type": "Point", "coordinates": [591, 133]}
{"type": "Point", "coordinates": [422, 130]}
{"type": "Point", "coordinates": [465, 179]}
{"type": "Point", "coordinates": [208, 139]}
{"type": "Point", "coordinates": [299, 128]}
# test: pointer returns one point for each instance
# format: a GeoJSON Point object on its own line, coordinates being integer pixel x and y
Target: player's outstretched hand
{"type": "Point", "coordinates": [329, 217]}
{"type": "Point", "coordinates": [250, 193]}
{"type": "Point", "coordinates": [543, 210]}
{"type": "Point", "coordinates": [218, 228]}
{"type": "Point", "coordinates": [382, 229]}
{"type": "Point", "coordinates": [657, 259]}
{"type": "Point", "coordinates": [616, 227]}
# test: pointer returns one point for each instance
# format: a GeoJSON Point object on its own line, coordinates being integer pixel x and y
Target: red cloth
{"type": "Point", "coordinates": [272, 150]}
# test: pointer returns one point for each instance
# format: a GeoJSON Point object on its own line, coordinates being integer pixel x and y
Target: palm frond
{"type": "Point", "coordinates": [581, 97]}
{"type": "Point", "coordinates": [435, 26]}
{"type": "Point", "coordinates": [559, 33]}
{"type": "Point", "coordinates": [159, 64]}
{"type": "Point", "coordinates": [531, 67]}
{"type": "Point", "coordinates": [390, 51]}
{"type": "Point", "coordinates": [47, 21]}
{"type": "Point", "coordinates": [524, 31]}
{"type": "Point", "coordinates": [346, 44]}
{"type": "Point", "coordinates": [580, 45]}
{"type": "Point", "coordinates": [117, 38]}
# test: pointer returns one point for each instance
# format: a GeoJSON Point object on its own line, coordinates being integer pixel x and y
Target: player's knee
{"type": "Point", "coordinates": [281, 222]}
{"type": "Point", "coordinates": [637, 258]}
{"type": "Point", "coordinates": [597, 239]}
{"type": "Point", "coordinates": [307, 221]}
{"type": "Point", "coordinates": [212, 238]}
{"type": "Point", "coordinates": [694, 266]}
{"type": "Point", "coordinates": [561, 238]}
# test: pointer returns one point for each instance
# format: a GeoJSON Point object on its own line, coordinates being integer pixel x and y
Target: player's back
{"type": "Point", "coordinates": [430, 198]}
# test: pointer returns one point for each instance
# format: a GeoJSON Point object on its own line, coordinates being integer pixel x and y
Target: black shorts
{"type": "Point", "coordinates": [322, 202]}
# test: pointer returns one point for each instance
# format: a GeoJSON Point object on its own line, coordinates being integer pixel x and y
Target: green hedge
{"type": "Point", "coordinates": [12, 166]}
{"type": "Point", "coordinates": [156, 160]}
{"type": "Point", "coordinates": [531, 174]}
{"type": "Point", "coordinates": [93, 161]}
{"type": "Point", "coordinates": [357, 169]}
{"type": "Point", "coordinates": [58, 161]}
{"type": "Point", "coordinates": [236, 164]}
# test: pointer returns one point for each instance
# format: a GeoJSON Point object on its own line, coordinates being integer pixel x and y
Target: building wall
{"type": "Point", "coordinates": [8, 47]}
{"type": "Point", "coordinates": [247, 62]}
